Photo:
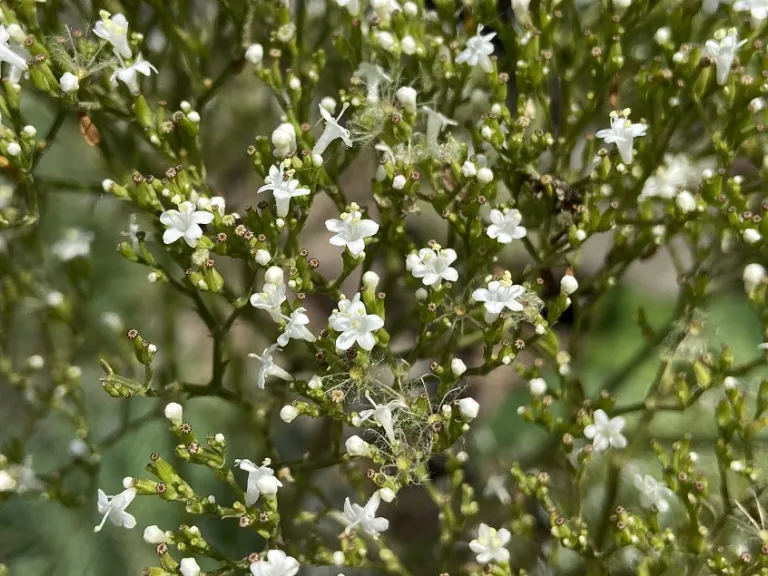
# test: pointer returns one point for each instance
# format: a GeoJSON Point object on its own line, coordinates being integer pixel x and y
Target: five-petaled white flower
{"type": "Point", "coordinates": [605, 432]}
{"type": "Point", "coordinates": [333, 131]}
{"type": "Point", "coordinates": [382, 415]}
{"type": "Point", "coordinates": [652, 492]}
{"type": "Point", "coordinates": [283, 188]}
{"type": "Point", "coordinates": [499, 294]}
{"type": "Point", "coordinates": [373, 76]}
{"type": "Point", "coordinates": [436, 123]}
{"type": "Point", "coordinates": [489, 546]}
{"type": "Point", "coordinates": [758, 9]}
{"type": "Point", "coordinates": [7, 55]}
{"type": "Point", "coordinates": [296, 328]}
{"type": "Point", "coordinates": [184, 223]}
{"type": "Point", "coordinates": [496, 486]}
{"type": "Point", "coordinates": [113, 507]}
{"type": "Point", "coordinates": [478, 51]}
{"type": "Point", "coordinates": [127, 74]}
{"type": "Point", "coordinates": [623, 133]}
{"type": "Point", "coordinates": [271, 299]}
{"type": "Point", "coordinates": [261, 480]}
{"type": "Point", "coordinates": [351, 230]}
{"type": "Point", "coordinates": [75, 243]}
{"type": "Point", "coordinates": [365, 517]}
{"type": "Point", "coordinates": [433, 265]}
{"type": "Point", "coordinates": [505, 226]}
{"type": "Point", "coordinates": [723, 51]}
{"type": "Point", "coordinates": [276, 564]}
{"type": "Point", "coordinates": [268, 367]}
{"type": "Point", "coordinates": [354, 323]}
{"type": "Point", "coordinates": [114, 29]}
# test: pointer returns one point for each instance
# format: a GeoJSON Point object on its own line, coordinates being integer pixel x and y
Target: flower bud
{"type": "Point", "coordinates": [189, 567]}
{"type": "Point", "coordinates": [568, 284]}
{"type": "Point", "coordinates": [7, 483]}
{"type": "Point", "coordinates": [254, 54]}
{"type": "Point", "coordinates": [288, 413]}
{"type": "Point", "coordinates": [408, 44]}
{"type": "Point", "coordinates": [484, 175]}
{"type": "Point", "coordinates": [398, 183]}
{"type": "Point", "coordinates": [750, 235]}
{"type": "Point", "coordinates": [458, 367]}
{"type": "Point", "coordinates": [537, 386]}
{"type": "Point", "coordinates": [317, 160]}
{"type": "Point", "coordinates": [356, 446]}
{"type": "Point", "coordinates": [663, 35]}
{"type": "Point", "coordinates": [263, 257]}
{"type": "Point", "coordinates": [421, 294]}
{"type": "Point", "coordinates": [284, 139]}
{"type": "Point", "coordinates": [153, 535]}
{"type": "Point", "coordinates": [407, 98]}
{"type": "Point", "coordinates": [370, 280]}
{"type": "Point", "coordinates": [174, 413]}
{"type": "Point", "coordinates": [468, 408]}
{"type": "Point", "coordinates": [128, 482]}
{"type": "Point", "coordinates": [315, 383]}
{"type": "Point", "coordinates": [387, 494]}
{"type": "Point", "coordinates": [274, 275]}
{"type": "Point", "coordinates": [338, 558]}
{"type": "Point", "coordinates": [14, 149]}
{"type": "Point", "coordinates": [329, 104]}
{"type": "Point", "coordinates": [685, 201]}
{"type": "Point", "coordinates": [753, 275]}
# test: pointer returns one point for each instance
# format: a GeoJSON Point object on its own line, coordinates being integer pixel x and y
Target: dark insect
{"type": "Point", "coordinates": [88, 129]}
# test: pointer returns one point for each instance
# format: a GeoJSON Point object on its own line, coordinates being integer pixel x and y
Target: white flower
{"type": "Point", "coordinates": [606, 433]}
{"type": "Point", "coordinates": [623, 133]}
{"type": "Point", "coordinates": [496, 486]}
{"type": "Point", "coordinates": [283, 188]}
{"type": "Point", "coordinates": [114, 30]}
{"type": "Point", "coordinates": [751, 236]}
{"type": "Point", "coordinates": [484, 175]}
{"type": "Point", "coordinates": [537, 386]}
{"type": "Point", "coordinates": [7, 482]}
{"type": "Point", "coordinates": [499, 294]}
{"type": "Point", "coordinates": [468, 169]}
{"type": "Point", "coordinates": [458, 367]}
{"type": "Point", "coordinates": [276, 564]}
{"type": "Point", "coordinates": [127, 74]}
{"type": "Point", "coordinates": [356, 446]}
{"type": "Point", "coordinates": [274, 275]}
{"type": "Point", "coordinates": [296, 328]}
{"type": "Point", "coordinates": [354, 323]}
{"type": "Point", "coordinates": [489, 545]}
{"type": "Point", "coordinates": [8, 56]}
{"type": "Point", "coordinates": [271, 299]}
{"type": "Point", "coordinates": [385, 41]}
{"type": "Point", "coordinates": [284, 139]}
{"type": "Point", "coordinates": [478, 51]}
{"type": "Point", "coordinates": [351, 230]}
{"type": "Point", "coordinates": [153, 535]}
{"type": "Point", "coordinates": [568, 284]}
{"type": "Point", "coordinates": [468, 408]}
{"type": "Point", "coordinates": [189, 567]}
{"type": "Point", "coordinates": [653, 493]}
{"type": "Point", "coordinates": [373, 75]}
{"type": "Point", "coordinates": [371, 280]}
{"type": "Point", "coordinates": [723, 51]}
{"type": "Point", "coordinates": [758, 9]}
{"type": "Point", "coordinates": [352, 6]}
{"type": "Point", "coordinates": [685, 201]}
{"type": "Point", "coordinates": [268, 367]}
{"type": "Point", "coordinates": [436, 123]}
{"type": "Point", "coordinates": [676, 173]}
{"type": "Point", "coordinates": [333, 131]}
{"type": "Point", "coordinates": [174, 413]}
{"type": "Point", "coordinates": [254, 53]}
{"type": "Point", "coordinates": [433, 265]}
{"type": "Point", "coordinates": [261, 480]}
{"type": "Point", "coordinates": [753, 275]}
{"type": "Point", "coordinates": [365, 517]}
{"type": "Point", "coordinates": [113, 507]}
{"type": "Point", "coordinates": [262, 257]}
{"type": "Point", "coordinates": [75, 243]}
{"type": "Point", "coordinates": [78, 448]}
{"type": "Point", "coordinates": [382, 415]}
{"type": "Point", "coordinates": [69, 82]}
{"type": "Point", "coordinates": [184, 223]}
{"type": "Point", "coordinates": [505, 226]}
{"type": "Point", "coordinates": [288, 413]}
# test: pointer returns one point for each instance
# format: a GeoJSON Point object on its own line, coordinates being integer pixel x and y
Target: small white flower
{"type": "Point", "coordinates": [623, 133]}
{"type": "Point", "coordinates": [127, 74]}
{"type": "Point", "coordinates": [113, 507]}
{"type": "Point", "coordinates": [751, 236]}
{"type": "Point", "coordinates": [184, 223]}
{"type": "Point", "coordinates": [478, 51]}
{"type": "Point", "coordinates": [365, 517]}
{"type": "Point", "coordinates": [7, 482]}
{"type": "Point", "coordinates": [296, 328]}
{"type": "Point", "coordinates": [332, 131]}
{"type": "Point", "coordinates": [283, 189]}
{"type": "Point", "coordinates": [499, 294]}
{"type": "Point", "coordinates": [8, 56]}
{"type": "Point", "coordinates": [382, 415]}
{"type": "Point", "coordinates": [189, 567]}
{"type": "Point", "coordinates": [568, 284]}
{"type": "Point", "coordinates": [69, 82]}
{"type": "Point", "coordinates": [254, 54]}
{"type": "Point", "coordinates": [753, 276]}
{"type": "Point", "coordinates": [114, 30]}
{"type": "Point", "coordinates": [485, 175]}
{"type": "Point", "coordinates": [354, 323]}
{"type": "Point", "coordinates": [271, 299]}
{"type": "Point", "coordinates": [261, 480]}
{"type": "Point", "coordinates": [14, 149]}
{"type": "Point", "coordinates": [408, 45]}
{"type": "Point", "coordinates": [537, 386]}
{"type": "Point", "coordinates": [723, 51]}
{"type": "Point", "coordinates": [284, 140]}
{"type": "Point", "coordinates": [458, 367]}
{"type": "Point", "coordinates": [407, 98]}
{"type": "Point", "coordinates": [758, 9]}
{"type": "Point", "coordinates": [54, 299]}
{"type": "Point", "coordinates": [685, 201]}
{"type": "Point", "coordinates": [288, 413]}
{"type": "Point", "coordinates": [174, 413]}
{"type": "Point", "coordinates": [373, 76]}
{"type": "Point", "coordinates": [79, 449]}
{"type": "Point", "coordinates": [153, 535]}
{"type": "Point", "coordinates": [489, 546]}
{"type": "Point", "coordinates": [436, 123]}
{"type": "Point", "coordinates": [496, 486]}
{"type": "Point", "coordinates": [356, 446]}
{"type": "Point", "coordinates": [351, 230]}
{"type": "Point", "coordinates": [433, 265]}
{"type": "Point", "coordinates": [398, 182]}
{"type": "Point", "coordinates": [653, 493]}
{"type": "Point", "coordinates": [276, 564]}
{"type": "Point", "coordinates": [385, 40]}
{"type": "Point", "coordinates": [468, 408]}
{"type": "Point", "coordinates": [505, 226]}
{"type": "Point", "coordinates": [468, 169]}
{"type": "Point", "coordinates": [268, 367]}
{"type": "Point", "coordinates": [606, 432]}
{"type": "Point", "coordinates": [75, 243]}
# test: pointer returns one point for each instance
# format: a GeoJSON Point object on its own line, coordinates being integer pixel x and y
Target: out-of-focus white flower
{"type": "Point", "coordinates": [489, 546]}
{"type": "Point", "coordinates": [623, 133]}
{"type": "Point", "coordinates": [537, 386]}
{"type": "Point", "coordinates": [385, 40]}
{"type": "Point", "coordinates": [352, 6]}
{"type": "Point", "coordinates": [351, 230]}
{"type": "Point", "coordinates": [753, 276]}
{"type": "Point", "coordinates": [723, 51]}
{"type": "Point", "coordinates": [478, 51]}
{"type": "Point", "coordinates": [277, 563]}
{"type": "Point", "coordinates": [758, 9]}
{"type": "Point", "coordinates": [751, 236]}
{"type": "Point", "coordinates": [685, 201]}
{"type": "Point", "coordinates": [468, 408]}
{"type": "Point", "coordinates": [496, 486]}
{"type": "Point", "coordinates": [663, 35]}
{"type": "Point", "coordinates": [433, 265]}
{"type": "Point", "coordinates": [8, 56]}
{"type": "Point", "coordinates": [283, 188]}
{"type": "Point", "coordinates": [128, 74]}
{"type": "Point", "coordinates": [75, 243]}
{"type": "Point", "coordinates": [354, 323]}
{"type": "Point", "coordinates": [269, 367]}
{"type": "Point", "coordinates": [505, 226]}
{"type": "Point", "coordinates": [385, 8]}
{"type": "Point", "coordinates": [113, 507]}
{"type": "Point", "coordinates": [184, 223]}
{"type": "Point", "coordinates": [373, 76]}
{"type": "Point", "coordinates": [468, 169]}
{"type": "Point", "coordinates": [333, 131]}
{"type": "Point", "coordinates": [485, 175]}
{"type": "Point", "coordinates": [436, 123]}
{"type": "Point", "coordinates": [254, 54]}
{"type": "Point", "coordinates": [606, 432]}
{"type": "Point", "coordinates": [114, 29]}
{"type": "Point", "coordinates": [365, 517]}
{"type": "Point", "coordinates": [652, 492]}
{"type": "Point", "coordinates": [262, 257]}
{"type": "Point", "coordinates": [261, 480]}
{"type": "Point", "coordinates": [7, 482]}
